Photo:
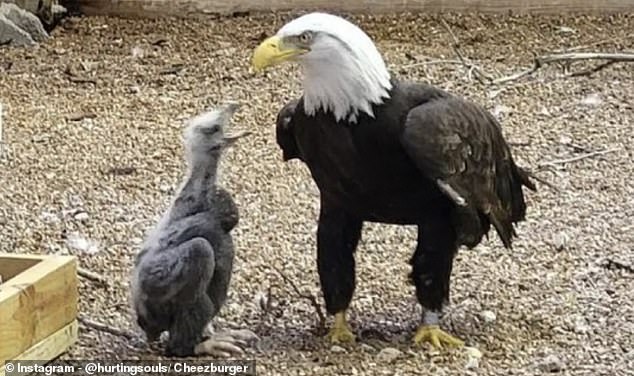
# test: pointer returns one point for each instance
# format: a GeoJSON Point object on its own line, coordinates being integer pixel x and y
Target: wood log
{"type": "Point", "coordinates": [198, 8]}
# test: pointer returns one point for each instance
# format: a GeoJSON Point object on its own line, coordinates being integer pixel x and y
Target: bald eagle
{"type": "Point", "coordinates": [389, 151]}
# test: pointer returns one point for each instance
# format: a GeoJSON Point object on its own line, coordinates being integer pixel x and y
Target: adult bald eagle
{"type": "Point", "coordinates": [389, 151]}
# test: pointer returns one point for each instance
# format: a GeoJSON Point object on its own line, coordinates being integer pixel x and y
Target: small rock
{"type": "Point", "coordinates": [24, 20]}
{"type": "Point", "coordinates": [337, 349]}
{"type": "Point", "coordinates": [544, 112]}
{"type": "Point", "coordinates": [473, 352]}
{"type": "Point", "coordinates": [49, 217]}
{"type": "Point", "coordinates": [559, 241]}
{"type": "Point", "coordinates": [493, 93]}
{"type": "Point", "coordinates": [488, 316]}
{"type": "Point", "coordinates": [593, 99]}
{"type": "Point", "coordinates": [500, 109]}
{"type": "Point", "coordinates": [581, 326]}
{"type": "Point", "coordinates": [472, 363]}
{"type": "Point", "coordinates": [367, 348]}
{"type": "Point", "coordinates": [388, 354]}
{"type": "Point", "coordinates": [39, 138]}
{"type": "Point", "coordinates": [59, 11]}
{"type": "Point", "coordinates": [81, 216]}
{"type": "Point", "coordinates": [551, 363]}
{"type": "Point", "coordinates": [261, 300]}
{"type": "Point", "coordinates": [137, 52]}
{"type": "Point", "coordinates": [11, 33]}
{"type": "Point", "coordinates": [566, 30]}
{"type": "Point", "coordinates": [473, 357]}
{"type": "Point", "coordinates": [565, 140]}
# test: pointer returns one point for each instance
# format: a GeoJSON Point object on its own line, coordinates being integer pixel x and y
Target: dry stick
{"type": "Point", "coordinates": [91, 275]}
{"type": "Point", "coordinates": [73, 77]}
{"type": "Point", "coordinates": [311, 298]}
{"type": "Point", "coordinates": [578, 157]}
{"type": "Point", "coordinates": [588, 72]}
{"type": "Point", "coordinates": [613, 264]}
{"type": "Point", "coordinates": [542, 181]}
{"type": "Point", "coordinates": [540, 61]}
{"type": "Point", "coordinates": [431, 62]}
{"type": "Point", "coordinates": [470, 66]}
{"type": "Point", "coordinates": [106, 328]}
{"type": "Point", "coordinates": [593, 44]}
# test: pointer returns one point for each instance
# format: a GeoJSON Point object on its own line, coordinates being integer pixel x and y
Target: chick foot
{"type": "Point", "coordinates": [225, 343]}
{"type": "Point", "coordinates": [436, 336]}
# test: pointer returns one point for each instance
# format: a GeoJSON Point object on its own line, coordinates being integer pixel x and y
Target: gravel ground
{"type": "Point", "coordinates": [92, 133]}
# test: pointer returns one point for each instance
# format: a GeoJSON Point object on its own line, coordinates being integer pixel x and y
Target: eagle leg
{"type": "Point", "coordinates": [432, 263]}
{"type": "Point", "coordinates": [338, 235]}
{"type": "Point", "coordinates": [340, 331]}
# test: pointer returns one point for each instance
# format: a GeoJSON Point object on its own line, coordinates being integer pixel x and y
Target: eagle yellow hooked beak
{"type": "Point", "coordinates": [273, 51]}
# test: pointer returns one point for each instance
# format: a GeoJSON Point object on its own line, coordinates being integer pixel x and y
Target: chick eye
{"type": "Point", "coordinates": [305, 37]}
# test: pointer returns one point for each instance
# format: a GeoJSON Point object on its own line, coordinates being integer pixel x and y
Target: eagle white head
{"type": "Point", "coordinates": [343, 70]}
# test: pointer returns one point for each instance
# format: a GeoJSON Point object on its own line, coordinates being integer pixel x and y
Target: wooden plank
{"type": "Point", "coordinates": [51, 347]}
{"type": "Point", "coordinates": [12, 266]}
{"type": "Point", "coordinates": [36, 303]}
{"type": "Point", "coordinates": [196, 8]}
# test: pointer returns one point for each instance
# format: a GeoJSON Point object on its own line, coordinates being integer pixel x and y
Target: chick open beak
{"type": "Point", "coordinates": [230, 107]}
{"type": "Point", "coordinates": [230, 139]}
{"type": "Point", "coordinates": [273, 51]}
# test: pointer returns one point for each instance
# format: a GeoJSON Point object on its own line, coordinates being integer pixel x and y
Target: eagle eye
{"type": "Point", "coordinates": [306, 36]}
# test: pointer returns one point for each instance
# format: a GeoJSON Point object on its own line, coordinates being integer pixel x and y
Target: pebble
{"type": "Point", "coordinates": [388, 354]}
{"type": "Point", "coordinates": [473, 357]}
{"type": "Point", "coordinates": [559, 241]}
{"type": "Point", "coordinates": [488, 316]}
{"type": "Point", "coordinates": [551, 363]}
{"type": "Point", "coordinates": [581, 325]}
{"type": "Point", "coordinates": [593, 99]}
{"type": "Point", "coordinates": [49, 217]}
{"type": "Point", "coordinates": [566, 30]}
{"type": "Point", "coordinates": [338, 349]}
{"type": "Point", "coordinates": [261, 300]}
{"type": "Point", "coordinates": [472, 363]}
{"type": "Point", "coordinates": [81, 216]}
{"type": "Point", "coordinates": [500, 109]}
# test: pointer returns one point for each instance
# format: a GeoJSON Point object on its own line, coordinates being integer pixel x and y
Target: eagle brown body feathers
{"type": "Point", "coordinates": [385, 169]}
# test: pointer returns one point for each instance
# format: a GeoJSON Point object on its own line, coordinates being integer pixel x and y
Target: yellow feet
{"type": "Point", "coordinates": [340, 331]}
{"type": "Point", "coordinates": [436, 336]}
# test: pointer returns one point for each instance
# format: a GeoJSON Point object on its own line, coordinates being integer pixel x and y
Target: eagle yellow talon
{"type": "Point", "coordinates": [436, 336]}
{"type": "Point", "coordinates": [340, 332]}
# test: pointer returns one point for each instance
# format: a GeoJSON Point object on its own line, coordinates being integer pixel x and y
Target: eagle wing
{"type": "Point", "coordinates": [460, 146]}
{"type": "Point", "coordinates": [284, 131]}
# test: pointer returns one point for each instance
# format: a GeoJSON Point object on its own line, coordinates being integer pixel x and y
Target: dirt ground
{"type": "Point", "coordinates": [92, 126]}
